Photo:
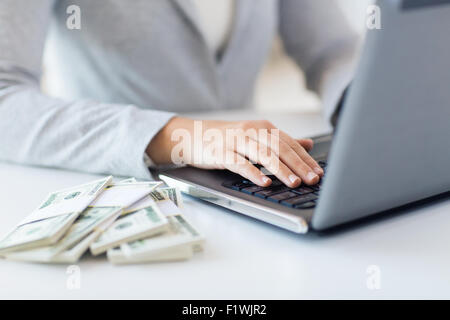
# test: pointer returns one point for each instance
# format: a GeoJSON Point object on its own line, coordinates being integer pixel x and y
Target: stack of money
{"type": "Point", "coordinates": [130, 221]}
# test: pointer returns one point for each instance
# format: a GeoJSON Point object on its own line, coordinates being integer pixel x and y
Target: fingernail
{"type": "Point", "coordinates": [319, 171]}
{"type": "Point", "coordinates": [266, 180]}
{"type": "Point", "coordinates": [294, 178]}
{"type": "Point", "coordinates": [312, 176]}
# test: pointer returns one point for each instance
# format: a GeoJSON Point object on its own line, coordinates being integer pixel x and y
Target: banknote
{"type": "Point", "coordinates": [74, 253]}
{"type": "Point", "coordinates": [154, 197]}
{"type": "Point", "coordinates": [172, 194]}
{"type": "Point", "coordinates": [71, 255]}
{"type": "Point", "coordinates": [161, 196]}
{"type": "Point", "coordinates": [157, 195]}
{"type": "Point", "coordinates": [123, 195]}
{"type": "Point", "coordinates": [183, 252]}
{"type": "Point", "coordinates": [91, 218]}
{"type": "Point", "coordinates": [181, 232]}
{"type": "Point", "coordinates": [88, 189]}
{"type": "Point", "coordinates": [104, 210]}
{"type": "Point", "coordinates": [74, 199]}
{"type": "Point", "coordinates": [140, 224]}
{"type": "Point", "coordinates": [132, 221]}
{"type": "Point", "coordinates": [165, 205]}
{"type": "Point", "coordinates": [83, 226]}
{"type": "Point", "coordinates": [129, 182]}
{"type": "Point", "coordinates": [35, 234]}
{"type": "Point", "coordinates": [168, 208]}
{"type": "Point", "coordinates": [52, 219]}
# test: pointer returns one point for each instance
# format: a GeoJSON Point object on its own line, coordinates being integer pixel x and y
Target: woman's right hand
{"type": "Point", "coordinates": [234, 145]}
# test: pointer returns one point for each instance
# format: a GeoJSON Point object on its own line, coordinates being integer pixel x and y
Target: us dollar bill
{"type": "Point", "coordinates": [83, 226]}
{"type": "Point", "coordinates": [85, 190]}
{"type": "Point", "coordinates": [154, 197]}
{"type": "Point", "coordinates": [47, 224]}
{"type": "Point", "coordinates": [128, 180]}
{"type": "Point", "coordinates": [184, 252]}
{"type": "Point", "coordinates": [123, 195]}
{"type": "Point", "coordinates": [36, 234]}
{"type": "Point", "coordinates": [90, 219]}
{"type": "Point", "coordinates": [165, 205]}
{"type": "Point", "coordinates": [131, 182]}
{"type": "Point", "coordinates": [157, 195]}
{"type": "Point", "coordinates": [104, 211]}
{"type": "Point", "coordinates": [70, 255]}
{"type": "Point", "coordinates": [140, 224]}
{"type": "Point", "coordinates": [74, 253]}
{"type": "Point", "coordinates": [181, 232]}
{"type": "Point", "coordinates": [172, 194]}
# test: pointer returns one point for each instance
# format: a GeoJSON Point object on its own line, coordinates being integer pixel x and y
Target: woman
{"type": "Point", "coordinates": [130, 66]}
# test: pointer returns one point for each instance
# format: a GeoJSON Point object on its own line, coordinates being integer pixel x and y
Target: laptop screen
{"type": "Point", "coordinates": [416, 4]}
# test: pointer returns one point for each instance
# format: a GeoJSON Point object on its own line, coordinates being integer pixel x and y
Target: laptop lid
{"type": "Point", "coordinates": [392, 144]}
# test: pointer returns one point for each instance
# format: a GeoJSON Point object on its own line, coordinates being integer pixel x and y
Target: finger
{"type": "Point", "coordinates": [300, 150]}
{"type": "Point", "coordinates": [303, 154]}
{"type": "Point", "coordinates": [274, 164]}
{"type": "Point", "coordinates": [260, 153]}
{"type": "Point", "coordinates": [264, 140]}
{"type": "Point", "coordinates": [291, 159]}
{"type": "Point", "coordinates": [308, 144]}
{"type": "Point", "coordinates": [238, 164]}
{"type": "Point", "coordinates": [288, 156]}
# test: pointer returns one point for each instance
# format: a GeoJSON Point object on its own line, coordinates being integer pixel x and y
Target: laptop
{"type": "Point", "coordinates": [392, 143]}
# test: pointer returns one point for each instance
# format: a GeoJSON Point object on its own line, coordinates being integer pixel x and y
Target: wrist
{"type": "Point", "coordinates": [160, 147]}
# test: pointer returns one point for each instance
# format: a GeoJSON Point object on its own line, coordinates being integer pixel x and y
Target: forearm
{"type": "Point", "coordinates": [79, 135]}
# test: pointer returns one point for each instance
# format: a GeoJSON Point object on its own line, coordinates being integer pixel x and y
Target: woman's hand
{"type": "Point", "coordinates": [236, 145]}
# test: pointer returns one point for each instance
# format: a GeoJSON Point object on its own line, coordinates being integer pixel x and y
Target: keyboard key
{"type": "Point", "coordinates": [252, 190]}
{"type": "Point", "coordinates": [268, 192]}
{"type": "Point", "coordinates": [238, 186]}
{"type": "Point", "coordinates": [299, 200]}
{"type": "Point", "coordinates": [302, 190]}
{"type": "Point", "coordinates": [282, 196]}
{"type": "Point", "coordinates": [275, 182]}
{"type": "Point", "coordinates": [306, 205]}
{"type": "Point", "coordinates": [303, 197]}
{"type": "Point", "coordinates": [292, 201]}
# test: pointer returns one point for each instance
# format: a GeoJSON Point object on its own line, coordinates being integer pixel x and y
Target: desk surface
{"type": "Point", "coordinates": [244, 258]}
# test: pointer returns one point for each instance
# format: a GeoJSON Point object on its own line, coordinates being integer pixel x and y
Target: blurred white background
{"type": "Point", "coordinates": [281, 83]}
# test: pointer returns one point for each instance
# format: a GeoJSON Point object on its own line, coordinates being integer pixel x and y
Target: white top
{"type": "Point", "coordinates": [216, 21]}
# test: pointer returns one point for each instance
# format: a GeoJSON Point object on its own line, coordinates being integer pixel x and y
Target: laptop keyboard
{"type": "Point", "coordinates": [303, 197]}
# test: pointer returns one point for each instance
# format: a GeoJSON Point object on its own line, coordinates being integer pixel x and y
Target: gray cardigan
{"type": "Point", "coordinates": [135, 63]}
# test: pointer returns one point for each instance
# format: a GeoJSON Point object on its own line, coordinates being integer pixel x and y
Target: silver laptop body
{"type": "Point", "coordinates": [392, 145]}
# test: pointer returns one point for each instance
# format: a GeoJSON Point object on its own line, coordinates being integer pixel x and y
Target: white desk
{"type": "Point", "coordinates": [243, 258]}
